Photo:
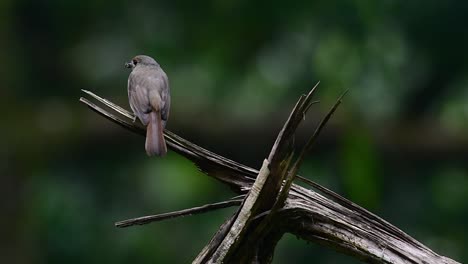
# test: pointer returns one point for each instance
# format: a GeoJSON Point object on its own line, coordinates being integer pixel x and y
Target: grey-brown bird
{"type": "Point", "coordinates": [150, 100]}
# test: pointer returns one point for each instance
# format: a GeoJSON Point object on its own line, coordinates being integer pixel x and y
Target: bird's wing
{"type": "Point", "coordinates": [138, 98]}
{"type": "Point", "coordinates": [148, 90]}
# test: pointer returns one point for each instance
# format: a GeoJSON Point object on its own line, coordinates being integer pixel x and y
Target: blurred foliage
{"type": "Point", "coordinates": [397, 145]}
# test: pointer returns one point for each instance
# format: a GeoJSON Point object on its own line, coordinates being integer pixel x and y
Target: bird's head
{"type": "Point", "coordinates": [141, 60]}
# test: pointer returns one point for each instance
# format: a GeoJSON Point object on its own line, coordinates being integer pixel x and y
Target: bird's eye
{"type": "Point", "coordinates": [134, 62]}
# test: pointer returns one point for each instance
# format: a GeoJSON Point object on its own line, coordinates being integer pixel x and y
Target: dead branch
{"type": "Point", "coordinates": [273, 205]}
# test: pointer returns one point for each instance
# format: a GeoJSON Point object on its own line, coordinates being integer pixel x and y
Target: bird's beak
{"type": "Point", "coordinates": [129, 64]}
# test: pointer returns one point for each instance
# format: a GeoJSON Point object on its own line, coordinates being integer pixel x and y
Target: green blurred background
{"type": "Point", "coordinates": [397, 145]}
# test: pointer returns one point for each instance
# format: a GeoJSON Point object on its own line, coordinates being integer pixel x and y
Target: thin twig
{"type": "Point", "coordinates": [191, 211]}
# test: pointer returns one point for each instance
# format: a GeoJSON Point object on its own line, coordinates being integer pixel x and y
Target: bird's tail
{"type": "Point", "coordinates": [155, 144]}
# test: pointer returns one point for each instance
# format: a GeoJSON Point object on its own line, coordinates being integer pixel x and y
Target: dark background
{"type": "Point", "coordinates": [397, 145]}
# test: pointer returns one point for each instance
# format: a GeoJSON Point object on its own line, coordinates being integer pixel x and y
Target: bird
{"type": "Point", "coordinates": [150, 100]}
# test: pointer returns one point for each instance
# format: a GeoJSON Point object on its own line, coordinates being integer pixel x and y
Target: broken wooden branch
{"type": "Point", "coordinates": [274, 205]}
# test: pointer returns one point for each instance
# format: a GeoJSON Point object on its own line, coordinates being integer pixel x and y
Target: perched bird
{"type": "Point", "coordinates": [150, 100]}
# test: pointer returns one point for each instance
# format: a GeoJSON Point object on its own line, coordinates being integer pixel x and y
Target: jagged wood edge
{"type": "Point", "coordinates": [279, 160]}
{"type": "Point", "coordinates": [295, 167]}
{"type": "Point", "coordinates": [235, 247]}
{"type": "Point", "coordinates": [288, 173]}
